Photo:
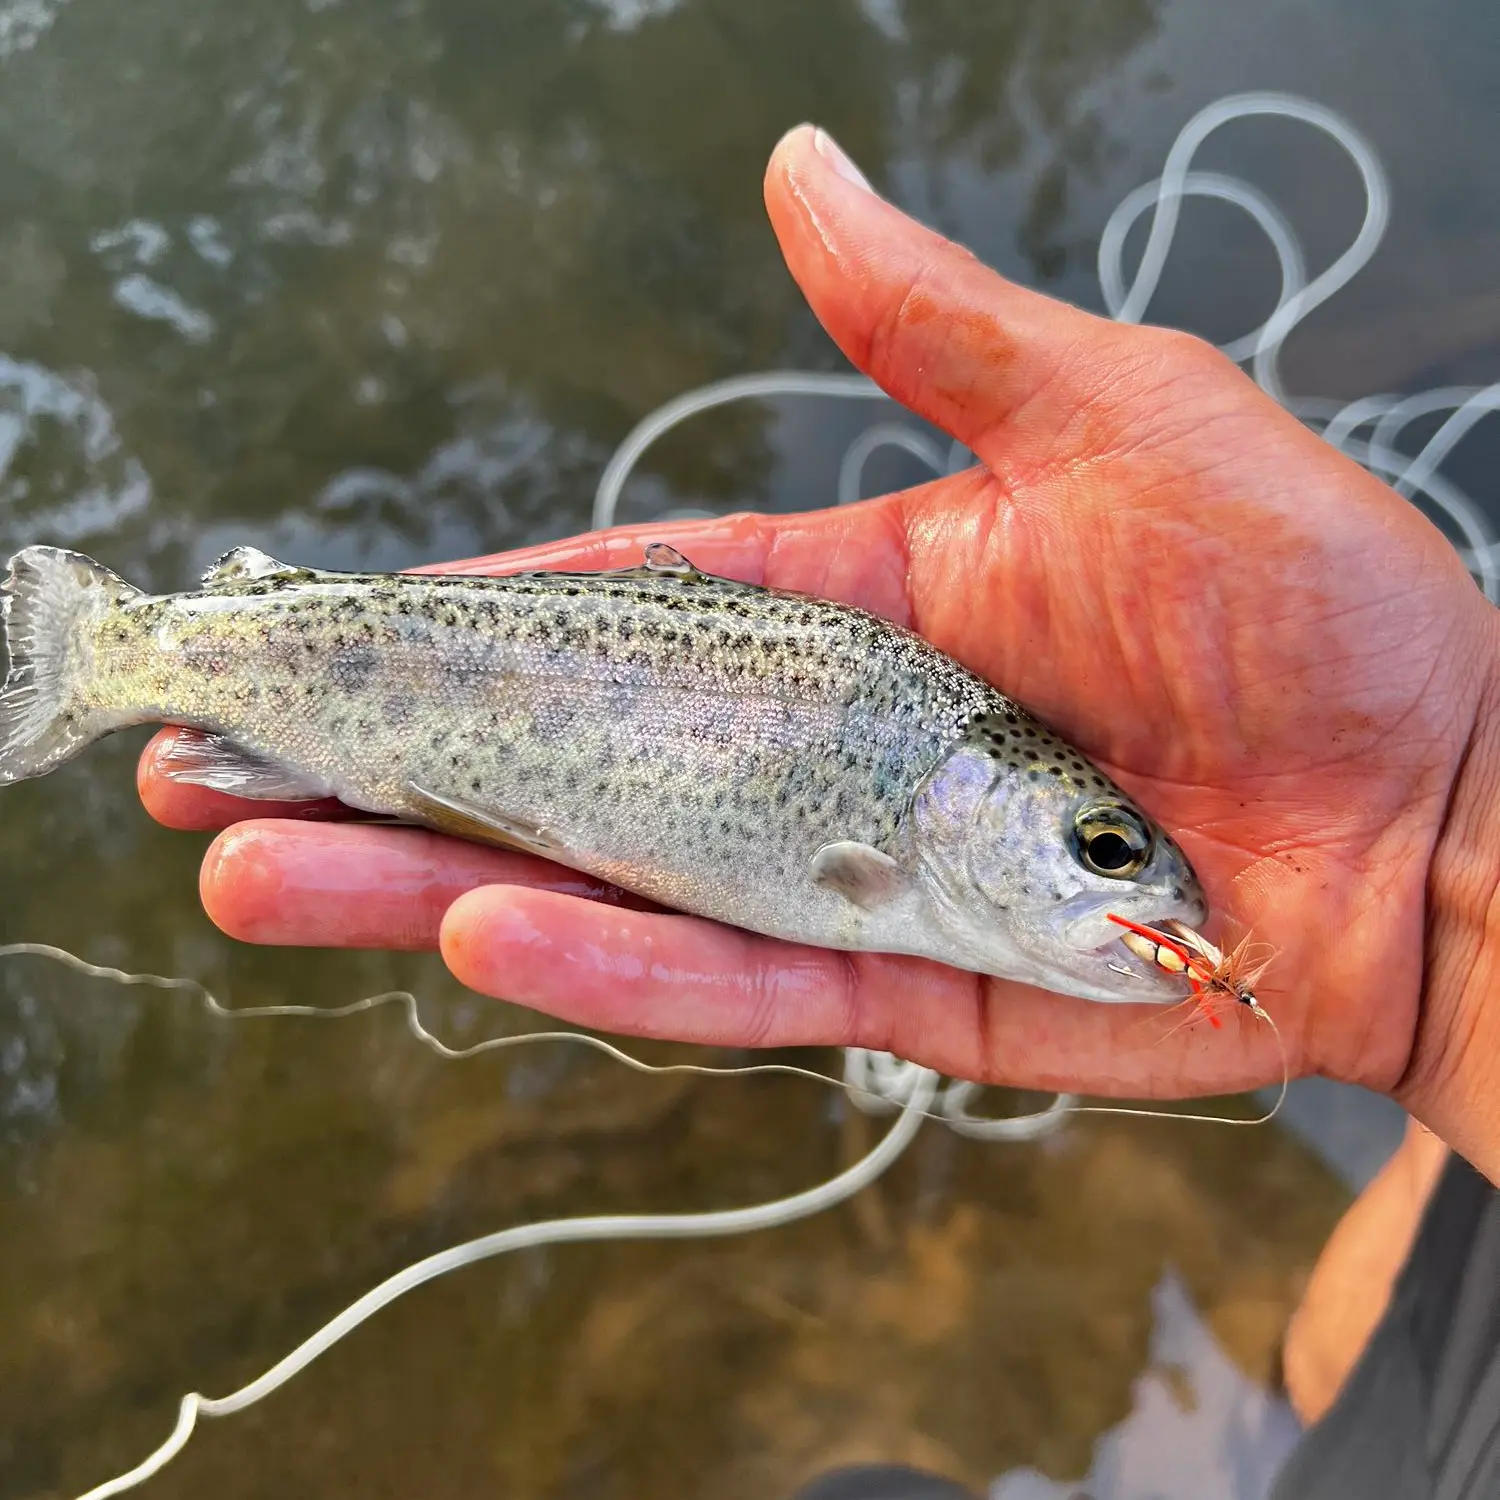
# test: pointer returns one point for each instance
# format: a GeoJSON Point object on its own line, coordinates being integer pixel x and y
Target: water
{"type": "Point", "coordinates": [367, 285]}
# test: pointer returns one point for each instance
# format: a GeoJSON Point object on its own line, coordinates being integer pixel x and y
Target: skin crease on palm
{"type": "Point", "coordinates": [1280, 657]}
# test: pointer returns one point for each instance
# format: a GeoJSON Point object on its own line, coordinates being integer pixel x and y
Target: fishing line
{"type": "Point", "coordinates": [875, 1083]}
{"type": "Point", "coordinates": [878, 1082]}
{"type": "Point", "coordinates": [611, 1227]}
{"type": "Point", "coordinates": [1261, 1014]}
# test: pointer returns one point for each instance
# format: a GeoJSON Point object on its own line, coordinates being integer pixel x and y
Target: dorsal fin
{"type": "Point", "coordinates": [662, 557]}
{"type": "Point", "coordinates": [662, 560]}
{"type": "Point", "coordinates": [240, 564]}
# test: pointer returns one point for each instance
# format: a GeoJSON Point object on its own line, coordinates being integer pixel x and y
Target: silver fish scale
{"type": "Point", "coordinates": [694, 739]}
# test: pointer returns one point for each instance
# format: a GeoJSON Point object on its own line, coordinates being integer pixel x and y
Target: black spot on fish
{"type": "Point", "coordinates": [353, 665]}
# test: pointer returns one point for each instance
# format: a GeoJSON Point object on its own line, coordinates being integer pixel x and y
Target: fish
{"type": "Point", "coordinates": [785, 764]}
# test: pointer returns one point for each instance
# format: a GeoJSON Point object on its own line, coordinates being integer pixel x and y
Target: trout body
{"type": "Point", "coordinates": [781, 763]}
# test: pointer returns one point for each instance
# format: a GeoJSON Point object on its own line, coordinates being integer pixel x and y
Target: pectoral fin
{"type": "Point", "coordinates": [859, 873]}
{"type": "Point", "coordinates": [484, 825]}
{"type": "Point", "coordinates": [214, 761]}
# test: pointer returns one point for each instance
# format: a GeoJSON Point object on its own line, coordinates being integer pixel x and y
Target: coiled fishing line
{"type": "Point", "coordinates": [1126, 300]}
{"type": "Point", "coordinates": [1367, 430]}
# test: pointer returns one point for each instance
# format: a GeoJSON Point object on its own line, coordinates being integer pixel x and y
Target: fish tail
{"type": "Point", "coordinates": [49, 603]}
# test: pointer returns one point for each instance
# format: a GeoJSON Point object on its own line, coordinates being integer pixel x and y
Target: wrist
{"type": "Point", "coordinates": [1452, 1080]}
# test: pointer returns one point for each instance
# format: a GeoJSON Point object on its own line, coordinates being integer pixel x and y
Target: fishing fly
{"type": "Point", "coordinates": [1215, 977]}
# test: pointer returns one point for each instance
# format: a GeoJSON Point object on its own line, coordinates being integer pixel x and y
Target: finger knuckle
{"type": "Point", "coordinates": [1175, 353]}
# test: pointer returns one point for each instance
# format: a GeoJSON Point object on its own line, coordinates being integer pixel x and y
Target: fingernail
{"type": "Point", "coordinates": [831, 152]}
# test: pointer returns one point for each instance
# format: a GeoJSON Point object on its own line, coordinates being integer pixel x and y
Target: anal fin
{"type": "Point", "coordinates": [217, 762]}
{"type": "Point", "coordinates": [484, 825]}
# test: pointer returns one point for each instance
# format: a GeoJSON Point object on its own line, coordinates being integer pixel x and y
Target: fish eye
{"type": "Point", "coordinates": [1111, 840]}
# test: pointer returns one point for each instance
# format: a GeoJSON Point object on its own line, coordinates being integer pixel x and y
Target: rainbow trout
{"type": "Point", "coordinates": [777, 762]}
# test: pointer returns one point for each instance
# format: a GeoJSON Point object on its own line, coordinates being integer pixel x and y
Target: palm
{"type": "Point", "coordinates": [1268, 647]}
{"type": "Point", "coordinates": [1267, 654]}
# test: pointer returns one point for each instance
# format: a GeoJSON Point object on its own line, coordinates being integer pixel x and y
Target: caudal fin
{"type": "Point", "coordinates": [48, 602]}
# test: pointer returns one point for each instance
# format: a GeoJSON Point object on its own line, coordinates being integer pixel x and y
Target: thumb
{"type": "Point", "coordinates": [943, 334]}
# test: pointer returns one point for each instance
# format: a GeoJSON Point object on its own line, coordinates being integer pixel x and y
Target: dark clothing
{"type": "Point", "coordinates": [1419, 1418]}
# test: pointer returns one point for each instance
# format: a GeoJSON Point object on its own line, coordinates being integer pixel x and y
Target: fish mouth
{"type": "Point", "coordinates": [1086, 957]}
{"type": "Point", "coordinates": [1116, 974]}
{"type": "Point", "coordinates": [1146, 981]}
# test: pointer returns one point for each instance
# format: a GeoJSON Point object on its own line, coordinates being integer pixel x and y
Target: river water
{"type": "Point", "coordinates": [376, 284]}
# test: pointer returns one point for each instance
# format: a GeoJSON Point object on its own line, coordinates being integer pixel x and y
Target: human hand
{"type": "Point", "coordinates": [1281, 658]}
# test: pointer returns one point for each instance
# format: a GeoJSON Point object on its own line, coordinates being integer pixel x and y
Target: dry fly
{"type": "Point", "coordinates": [1214, 976]}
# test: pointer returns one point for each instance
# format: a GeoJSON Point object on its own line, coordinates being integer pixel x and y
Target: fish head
{"type": "Point", "coordinates": [1025, 851]}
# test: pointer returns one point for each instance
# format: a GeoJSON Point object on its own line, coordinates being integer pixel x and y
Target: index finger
{"type": "Point", "coordinates": [661, 974]}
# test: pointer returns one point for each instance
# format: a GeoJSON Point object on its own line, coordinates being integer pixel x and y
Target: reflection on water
{"type": "Point", "coordinates": [387, 281]}
{"type": "Point", "coordinates": [1197, 1425]}
{"type": "Point", "coordinates": [371, 284]}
